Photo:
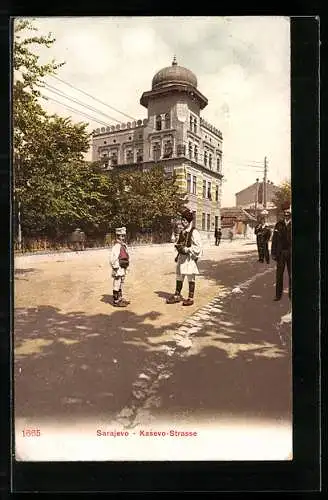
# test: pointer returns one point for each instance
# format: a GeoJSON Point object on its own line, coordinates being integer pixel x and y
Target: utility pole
{"type": "Point", "coordinates": [256, 195]}
{"type": "Point", "coordinates": [265, 183]}
{"type": "Point", "coordinates": [19, 235]}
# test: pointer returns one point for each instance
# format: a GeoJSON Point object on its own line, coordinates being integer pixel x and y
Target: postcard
{"type": "Point", "coordinates": [152, 239]}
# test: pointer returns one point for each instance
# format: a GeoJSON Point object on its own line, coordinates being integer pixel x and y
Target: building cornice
{"type": "Point", "coordinates": [188, 89]}
{"type": "Point", "coordinates": [176, 161]}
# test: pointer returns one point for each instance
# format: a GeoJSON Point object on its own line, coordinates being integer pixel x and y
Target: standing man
{"type": "Point", "coordinates": [119, 261]}
{"type": "Point", "coordinates": [218, 236]}
{"type": "Point", "coordinates": [266, 235]}
{"type": "Point", "coordinates": [281, 252]}
{"type": "Point", "coordinates": [263, 234]}
{"type": "Point", "coordinates": [189, 247]}
{"type": "Point", "coordinates": [259, 241]}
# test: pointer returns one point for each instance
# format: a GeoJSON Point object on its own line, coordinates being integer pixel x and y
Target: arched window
{"type": "Point", "coordinates": [158, 122]}
{"type": "Point", "coordinates": [167, 120]}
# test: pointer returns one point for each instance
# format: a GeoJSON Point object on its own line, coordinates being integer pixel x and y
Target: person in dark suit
{"type": "Point", "coordinates": [218, 236]}
{"type": "Point", "coordinates": [281, 252]}
{"type": "Point", "coordinates": [263, 234]}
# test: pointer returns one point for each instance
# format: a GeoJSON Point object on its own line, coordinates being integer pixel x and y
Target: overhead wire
{"type": "Point", "coordinates": [92, 97]}
{"type": "Point", "coordinates": [70, 108]}
{"type": "Point", "coordinates": [58, 92]}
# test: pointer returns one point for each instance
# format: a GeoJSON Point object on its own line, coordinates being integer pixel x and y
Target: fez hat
{"type": "Point", "coordinates": [286, 205]}
{"type": "Point", "coordinates": [187, 214]}
{"type": "Point", "coordinates": [120, 231]}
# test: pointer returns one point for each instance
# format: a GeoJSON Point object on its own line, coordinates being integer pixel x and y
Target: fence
{"type": "Point", "coordinates": [44, 244]}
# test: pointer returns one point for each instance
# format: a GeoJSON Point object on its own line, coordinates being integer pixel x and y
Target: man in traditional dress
{"type": "Point", "coordinates": [189, 247]}
{"type": "Point", "coordinates": [119, 260]}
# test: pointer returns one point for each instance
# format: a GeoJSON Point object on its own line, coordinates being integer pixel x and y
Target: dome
{"type": "Point", "coordinates": [173, 74]}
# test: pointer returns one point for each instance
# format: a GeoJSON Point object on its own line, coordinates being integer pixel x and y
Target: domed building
{"type": "Point", "coordinates": [173, 135]}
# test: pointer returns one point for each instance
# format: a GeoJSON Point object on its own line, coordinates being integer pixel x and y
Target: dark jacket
{"type": "Point", "coordinates": [263, 233]}
{"type": "Point", "coordinates": [281, 239]}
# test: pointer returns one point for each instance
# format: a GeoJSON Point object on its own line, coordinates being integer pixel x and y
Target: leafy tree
{"type": "Point", "coordinates": [55, 187]}
{"type": "Point", "coordinates": [282, 196]}
{"type": "Point", "coordinates": [144, 199]}
{"type": "Point", "coordinates": [28, 74]}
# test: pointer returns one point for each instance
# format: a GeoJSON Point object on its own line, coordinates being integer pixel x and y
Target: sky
{"type": "Point", "coordinates": [242, 66]}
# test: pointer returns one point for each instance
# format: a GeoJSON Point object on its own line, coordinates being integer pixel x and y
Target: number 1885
{"type": "Point", "coordinates": [31, 432]}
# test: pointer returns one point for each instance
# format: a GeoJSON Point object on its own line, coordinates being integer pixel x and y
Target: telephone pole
{"type": "Point", "coordinates": [265, 183]}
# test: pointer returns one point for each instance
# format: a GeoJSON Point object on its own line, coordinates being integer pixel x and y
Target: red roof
{"type": "Point", "coordinates": [237, 213]}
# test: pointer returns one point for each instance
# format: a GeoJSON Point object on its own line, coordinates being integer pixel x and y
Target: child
{"type": "Point", "coordinates": [119, 261]}
{"type": "Point", "coordinates": [189, 247]}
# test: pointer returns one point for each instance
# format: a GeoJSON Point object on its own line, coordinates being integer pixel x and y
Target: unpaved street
{"type": "Point", "coordinates": [77, 357]}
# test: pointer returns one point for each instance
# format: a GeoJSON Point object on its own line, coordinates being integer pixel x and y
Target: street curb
{"type": "Point", "coordinates": [147, 382]}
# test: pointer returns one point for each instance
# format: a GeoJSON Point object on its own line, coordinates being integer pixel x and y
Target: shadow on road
{"type": "Point", "coordinates": [163, 295]}
{"type": "Point", "coordinates": [237, 365]}
{"type": "Point", "coordinates": [82, 365]}
{"type": "Point", "coordinates": [20, 273]}
{"type": "Point", "coordinates": [107, 299]}
{"type": "Point", "coordinates": [238, 268]}
{"type": "Point", "coordinates": [73, 363]}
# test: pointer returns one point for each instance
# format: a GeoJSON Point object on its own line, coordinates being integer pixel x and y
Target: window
{"type": "Point", "coordinates": [181, 149]}
{"type": "Point", "coordinates": [205, 158]}
{"type": "Point", "coordinates": [218, 164]}
{"type": "Point", "coordinates": [168, 149]}
{"type": "Point", "coordinates": [113, 158]}
{"type": "Point", "coordinates": [139, 155]}
{"type": "Point", "coordinates": [210, 160]}
{"type": "Point", "coordinates": [194, 184]}
{"type": "Point", "coordinates": [196, 152]}
{"type": "Point", "coordinates": [129, 156]}
{"type": "Point", "coordinates": [203, 221]}
{"type": "Point", "coordinates": [204, 189]}
{"type": "Point", "coordinates": [156, 151]}
{"type": "Point", "coordinates": [209, 189]}
{"type": "Point", "coordinates": [158, 122]}
{"type": "Point", "coordinates": [188, 183]}
{"type": "Point", "coordinates": [208, 222]}
{"type": "Point", "coordinates": [195, 125]}
{"type": "Point", "coordinates": [190, 150]}
{"type": "Point", "coordinates": [216, 222]}
{"type": "Point", "coordinates": [216, 193]}
{"type": "Point", "coordinates": [167, 120]}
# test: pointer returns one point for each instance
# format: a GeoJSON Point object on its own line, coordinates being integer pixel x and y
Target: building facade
{"type": "Point", "coordinates": [175, 136]}
{"type": "Point", "coordinates": [252, 196]}
{"type": "Point", "coordinates": [255, 199]}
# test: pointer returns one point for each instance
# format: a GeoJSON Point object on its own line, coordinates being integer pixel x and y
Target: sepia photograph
{"type": "Point", "coordinates": [152, 239]}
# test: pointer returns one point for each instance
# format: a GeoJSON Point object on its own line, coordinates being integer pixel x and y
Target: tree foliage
{"type": "Point", "coordinates": [282, 196]}
{"type": "Point", "coordinates": [144, 199]}
{"type": "Point", "coordinates": [56, 188]}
